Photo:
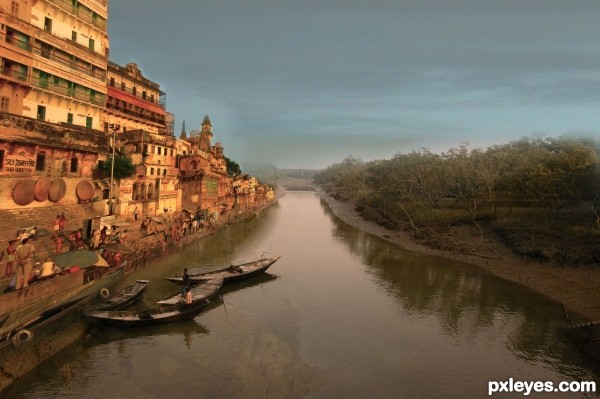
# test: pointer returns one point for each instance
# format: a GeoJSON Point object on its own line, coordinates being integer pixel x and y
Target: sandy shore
{"type": "Point", "coordinates": [578, 289]}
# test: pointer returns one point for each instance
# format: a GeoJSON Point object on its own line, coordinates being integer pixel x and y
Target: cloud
{"type": "Point", "coordinates": [366, 78]}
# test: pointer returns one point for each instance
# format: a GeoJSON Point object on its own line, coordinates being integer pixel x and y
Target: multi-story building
{"type": "Point", "coordinates": [203, 172]}
{"type": "Point", "coordinates": [143, 129]}
{"type": "Point", "coordinates": [53, 61]}
{"type": "Point", "coordinates": [135, 102]}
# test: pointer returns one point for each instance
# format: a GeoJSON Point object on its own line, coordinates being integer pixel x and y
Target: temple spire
{"type": "Point", "coordinates": [183, 135]}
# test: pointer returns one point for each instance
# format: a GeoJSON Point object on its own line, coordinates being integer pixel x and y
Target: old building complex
{"type": "Point", "coordinates": [66, 110]}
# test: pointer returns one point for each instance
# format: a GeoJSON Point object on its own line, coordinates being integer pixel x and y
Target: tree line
{"type": "Point", "coordinates": [546, 174]}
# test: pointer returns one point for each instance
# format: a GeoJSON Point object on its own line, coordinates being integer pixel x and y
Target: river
{"type": "Point", "coordinates": [342, 314]}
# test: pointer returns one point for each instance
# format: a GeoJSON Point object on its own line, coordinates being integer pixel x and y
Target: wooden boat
{"type": "Point", "coordinates": [125, 297]}
{"type": "Point", "coordinates": [148, 317]}
{"type": "Point", "coordinates": [170, 310]}
{"type": "Point", "coordinates": [26, 332]}
{"type": "Point", "coordinates": [230, 274]}
{"type": "Point", "coordinates": [83, 274]}
{"type": "Point", "coordinates": [203, 290]}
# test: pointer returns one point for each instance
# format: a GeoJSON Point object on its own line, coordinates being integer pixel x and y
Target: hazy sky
{"type": "Point", "coordinates": [306, 83]}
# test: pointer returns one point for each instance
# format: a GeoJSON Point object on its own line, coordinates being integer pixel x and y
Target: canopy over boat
{"type": "Point", "coordinates": [81, 257]}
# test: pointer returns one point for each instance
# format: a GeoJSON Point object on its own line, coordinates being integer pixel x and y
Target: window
{"type": "Point", "coordinates": [40, 162]}
{"type": "Point", "coordinates": [74, 162]}
{"type": "Point", "coordinates": [1, 159]}
{"type": "Point", "coordinates": [159, 150]}
{"type": "Point", "coordinates": [70, 118]}
{"type": "Point", "coordinates": [45, 50]}
{"type": "Point", "coordinates": [164, 173]}
{"type": "Point", "coordinates": [123, 86]}
{"type": "Point", "coordinates": [4, 104]}
{"type": "Point", "coordinates": [112, 82]}
{"type": "Point", "coordinates": [151, 171]}
{"type": "Point", "coordinates": [41, 113]}
{"type": "Point", "coordinates": [14, 8]}
{"type": "Point", "coordinates": [134, 90]}
{"type": "Point", "coordinates": [152, 150]}
{"type": "Point", "coordinates": [89, 122]}
{"type": "Point", "coordinates": [74, 36]}
{"type": "Point", "coordinates": [171, 152]}
{"type": "Point", "coordinates": [48, 25]}
{"type": "Point", "coordinates": [92, 44]}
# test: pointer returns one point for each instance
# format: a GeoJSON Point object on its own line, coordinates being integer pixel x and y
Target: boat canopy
{"type": "Point", "coordinates": [80, 257]}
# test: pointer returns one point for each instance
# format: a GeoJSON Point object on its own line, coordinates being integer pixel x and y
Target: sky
{"type": "Point", "coordinates": [306, 83]}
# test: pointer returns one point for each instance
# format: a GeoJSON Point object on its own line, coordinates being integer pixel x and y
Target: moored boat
{"type": "Point", "coordinates": [83, 274]}
{"type": "Point", "coordinates": [206, 289]}
{"type": "Point", "coordinates": [148, 317]}
{"type": "Point", "coordinates": [170, 310]}
{"type": "Point", "coordinates": [230, 273]}
{"type": "Point", "coordinates": [26, 332]}
{"type": "Point", "coordinates": [125, 297]}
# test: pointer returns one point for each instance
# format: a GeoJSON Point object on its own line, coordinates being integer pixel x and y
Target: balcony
{"type": "Point", "coordinates": [72, 91]}
{"type": "Point", "coordinates": [126, 112]}
{"type": "Point", "coordinates": [14, 75]}
{"type": "Point", "coordinates": [81, 12]}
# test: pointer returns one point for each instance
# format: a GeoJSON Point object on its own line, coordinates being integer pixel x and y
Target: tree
{"type": "Point", "coordinates": [233, 168]}
{"type": "Point", "coordinates": [124, 167]}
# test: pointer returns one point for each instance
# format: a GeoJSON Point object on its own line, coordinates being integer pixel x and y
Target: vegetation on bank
{"type": "Point", "coordinates": [541, 196]}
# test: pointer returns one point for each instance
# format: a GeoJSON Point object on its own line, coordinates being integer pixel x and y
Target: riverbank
{"type": "Point", "coordinates": [141, 252]}
{"type": "Point", "coordinates": [577, 288]}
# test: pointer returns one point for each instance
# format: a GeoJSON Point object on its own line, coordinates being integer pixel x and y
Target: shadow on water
{"type": "Point", "coordinates": [467, 301]}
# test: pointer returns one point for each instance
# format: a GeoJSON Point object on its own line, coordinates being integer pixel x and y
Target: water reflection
{"type": "Point", "coordinates": [341, 315]}
{"type": "Point", "coordinates": [466, 301]}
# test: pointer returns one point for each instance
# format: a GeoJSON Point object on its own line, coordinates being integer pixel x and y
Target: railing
{"type": "Point", "coordinates": [73, 92]}
{"type": "Point", "coordinates": [49, 53]}
{"type": "Point", "coordinates": [23, 45]}
{"type": "Point", "coordinates": [13, 74]}
{"type": "Point", "coordinates": [82, 12]}
{"type": "Point", "coordinates": [73, 64]}
{"type": "Point", "coordinates": [127, 112]}
{"type": "Point", "coordinates": [160, 100]}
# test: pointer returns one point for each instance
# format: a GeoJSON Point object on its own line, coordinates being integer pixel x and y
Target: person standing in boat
{"type": "Point", "coordinates": [185, 279]}
{"type": "Point", "coordinates": [24, 258]}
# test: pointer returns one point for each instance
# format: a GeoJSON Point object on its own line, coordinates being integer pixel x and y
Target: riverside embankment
{"type": "Point", "coordinates": [577, 288]}
{"type": "Point", "coordinates": [17, 361]}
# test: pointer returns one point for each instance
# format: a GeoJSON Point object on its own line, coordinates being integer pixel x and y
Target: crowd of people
{"type": "Point", "coordinates": [19, 252]}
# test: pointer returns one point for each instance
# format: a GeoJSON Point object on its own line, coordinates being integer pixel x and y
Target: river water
{"type": "Point", "coordinates": [342, 314]}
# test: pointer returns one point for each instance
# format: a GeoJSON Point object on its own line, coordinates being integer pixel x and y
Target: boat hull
{"type": "Point", "coordinates": [26, 306]}
{"type": "Point", "coordinates": [230, 274]}
{"type": "Point", "coordinates": [147, 318]}
{"type": "Point", "coordinates": [125, 297]}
